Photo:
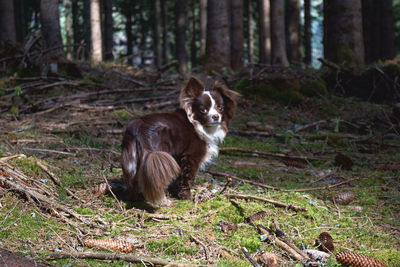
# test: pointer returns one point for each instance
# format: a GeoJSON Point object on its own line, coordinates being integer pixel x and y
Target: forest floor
{"type": "Point", "coordinates": [66, 140]}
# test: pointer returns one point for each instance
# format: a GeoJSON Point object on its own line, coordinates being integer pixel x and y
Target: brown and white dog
{"type": "Point", "coordinates": [161, 147]}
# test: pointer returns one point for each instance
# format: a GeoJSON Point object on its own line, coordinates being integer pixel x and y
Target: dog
{"type": "Point", "coordinates": [160, 148]}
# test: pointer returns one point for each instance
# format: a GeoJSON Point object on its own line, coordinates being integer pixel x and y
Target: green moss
{"type": "Point", "coordinates": [241, 86]}
{"type": "Point", "coordinates": [123, 114]}
{"type": "Point", "coordinates": [345, 54]}
{"type": "Point", "coordinates": [313, 88]}
{"type": "Point", "coordinates": [14, 110]}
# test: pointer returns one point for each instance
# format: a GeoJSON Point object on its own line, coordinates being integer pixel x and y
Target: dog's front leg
{"type": "Point", "coordinates": [186, 178]}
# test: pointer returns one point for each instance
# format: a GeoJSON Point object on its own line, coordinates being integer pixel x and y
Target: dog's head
{"type": "Point", "coordinates": [210, 107]}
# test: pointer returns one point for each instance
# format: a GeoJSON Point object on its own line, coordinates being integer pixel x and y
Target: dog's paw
{"type": "Point", "coordinates": [184, 194]}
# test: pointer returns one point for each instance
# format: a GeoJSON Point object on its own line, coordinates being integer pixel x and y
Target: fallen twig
{"type": "Point", "coordinates": [273, 202]}
{"type": "Point", "coordinates": [272, 238]}
{"type": "Point", "coordinates": [228, 176]}
{"type": "Point", "coordinates": [115, 256]}
{"type": "Point", "coordinates": [248, 256]}
{"type": "Point", "coordinates": [276, 155]}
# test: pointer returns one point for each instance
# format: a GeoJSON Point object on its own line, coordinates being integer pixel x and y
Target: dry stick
{"type": "Point", "coordinates": [248, 256]}
{"type": "Point", "coordinates": [276, 155]}
{"type": "Point", "coordinates": [115, 256]}
{"type": "Point", "coordinates": [273, 202]}
{"type": "Point", "coordinates": [44, 201]}
{"type": "Point", "coordinates": [4, 159]}
{"type": "Point", "coordinates": [206, 253]}
{"type": "Point", "coordinates": [227, 176]}
{"type": "Point", "coordinates": [282, 244]}
{"type": "Point", "coordinates": [56, 179]}
{"type": "Point", "coordinates": [112, 193]}
{"type": "Point", "coordinates": [288, 241]}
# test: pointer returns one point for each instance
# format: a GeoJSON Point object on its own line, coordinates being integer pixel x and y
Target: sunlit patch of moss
{"type": "Point", "coordinates": [123, 114]}
{"type": "Point", "coordinates": [85, 211]}
{"type": "Point", "coordinates": [29, 167]}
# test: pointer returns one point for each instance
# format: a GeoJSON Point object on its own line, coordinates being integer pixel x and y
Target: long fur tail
{"type": "Point", "coordinates": [156, 173]}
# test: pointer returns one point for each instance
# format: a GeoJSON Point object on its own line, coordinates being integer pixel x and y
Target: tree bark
{"type": "Point", "coordinates": [157, 34]}
{"type": "Point", "coordinates": [68, 28]}
{"type": "Point", "coordinates": [265, 31]}
{"type": "Point", "coordinates": [129, 36]}
{"type": "Point", "coordinates": [387, 47]}
{"type": "Point", "coordinates": [250, 40]}
{"type": "Point", "coordinates": [87, 29]}
{"type": "Point", "coordinates": [180, 35]}
{"type": "Point", "coordinates": [193, 49]}
{"type": "Point", "coordinates": [307, 32]}
{"type": "Point", "coordinates": [96, 39]}
{"type": "Point", "coordinates": [20, 20]}
{"type": "Point", "coordinates": [164, 14]}
{"type": "Point", "coordinates": [203, 28]}
{"type": "Point", "coordinates": [278, 43]}
{"type": "Point", "coordinates": [50, 20]}
{"type": "Point", "coordinates": [76, 27]}
{"type": "Point", "coordinates": [7, 22]}
{"type": "Point", "coordinates": [292, 22]}
{"type": "Point", "coordinates": [236, 28]}
{"type": "Point", "coordinates": [108, 30]}
{"type": "Point", "coordinates": [343, 38]}
{"type": "Point", "coordinates": [218, 40]}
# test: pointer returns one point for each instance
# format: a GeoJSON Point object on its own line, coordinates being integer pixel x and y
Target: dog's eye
{"type": "Point", "coordinates": [203, 110]}
{"type": "Point", "coordinates": [220, 108]}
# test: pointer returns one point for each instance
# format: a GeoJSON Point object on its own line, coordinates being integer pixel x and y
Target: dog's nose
{"type": "Point", "coordinates": [215, 117]}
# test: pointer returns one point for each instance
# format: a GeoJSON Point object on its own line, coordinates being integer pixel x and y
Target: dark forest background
{"type": "Point", "coordinates": [216, 34]}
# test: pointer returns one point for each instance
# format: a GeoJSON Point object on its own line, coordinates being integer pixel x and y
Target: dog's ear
{"type": "Point", "coordinates": [193, 88]}
{"type": "Point", "coordinates": [229, 97]}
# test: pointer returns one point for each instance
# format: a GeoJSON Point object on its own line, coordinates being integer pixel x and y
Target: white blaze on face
{"type": "Point", "coordinates": [213, 108]}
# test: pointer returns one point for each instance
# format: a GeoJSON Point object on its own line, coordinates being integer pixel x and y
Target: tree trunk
{"type": "Point", "coordinates": [292, 22]}
{"type": "Point", "coordinates": [164, 14]}
{"type": "Point", "coordinates": [7, 22]}
{"type": "Point", "coordinates": [108, 30]}
{"type": "Point", "coordinates": [157, 34]}
{"type": "Point", "coordinates": [203, 28]}
{"type": "Point", "coordinates": [307, 32]}
{"type": "Point", "coordinates": [129, 36]}
{"type": "Point", "coordinates": [68, 28]}
{"type": "Point", "coordinates": [265, 31]}
{"type": "Point", "coordinates": [386, 38]}
{"type": "Point", "coordinates": [50, 20]}
{"type": "Point", "coordinates": [278, 43]}
{"type": "Point", "coordinates": [343, 38]}
{"type": "Point", "coordinates": [87, 29]}
{"type": "Point", "coordinates": [20, 20]}
{"type": "Point", "coordinates": [218, 40]}
{"type": "Point", "coordinates": [180, 35]}
{"type": "Point", "coordinates": [236, 28]}
{"type": "Point", "coordinates": [76, 27]}
{"type": "Point", "coordinates": [193, 49]}
{"type": "Point", "coordinates": [250, 40]}
{"type": "Point", "coordinates": [95, 23]}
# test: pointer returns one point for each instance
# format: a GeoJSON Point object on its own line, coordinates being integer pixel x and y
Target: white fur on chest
{"type": "Point", "coordinates": [212, 140]}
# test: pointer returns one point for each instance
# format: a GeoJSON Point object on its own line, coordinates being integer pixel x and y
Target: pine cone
{"type": "Point", "coordinates": [225, 226]}
{"type": "Point", "coordinates": [122, 246]}
{"type": "Point", "coordinates": [357, 260]}
{"type": "Point", "coordinates": [325, 242]}
{"type": "Point", "coordinates": [257, 216]}
{"type": "Point", "coordinates": [344, 198]}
